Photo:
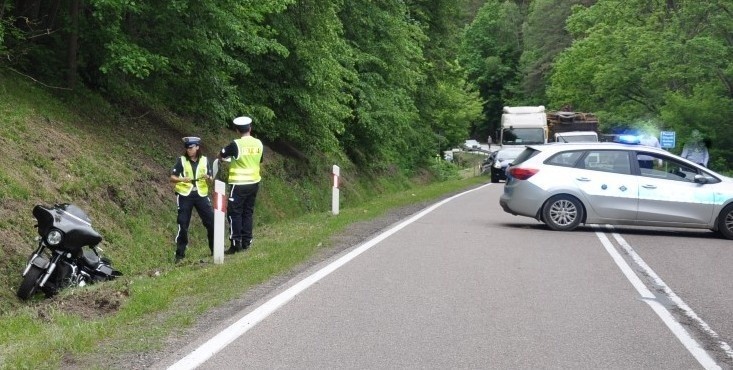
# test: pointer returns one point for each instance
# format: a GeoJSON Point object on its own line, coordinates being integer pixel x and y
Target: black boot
{"type": "Point", "coordinates": [235, 248]}
{"type": "Point", "coordinates": [180, 253]}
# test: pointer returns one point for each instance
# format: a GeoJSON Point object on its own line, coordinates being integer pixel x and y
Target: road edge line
{"type": "Point", "coordinates": [234, 331]}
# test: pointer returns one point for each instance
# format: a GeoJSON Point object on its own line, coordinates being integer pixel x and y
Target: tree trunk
{"type": "Point", "coordinates": [73, 43]}
{"type": "Point", "coordinates": [53, 13]}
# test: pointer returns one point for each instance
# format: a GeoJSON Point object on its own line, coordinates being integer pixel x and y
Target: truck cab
{"type": "Point", "coordinates": [523, 126]}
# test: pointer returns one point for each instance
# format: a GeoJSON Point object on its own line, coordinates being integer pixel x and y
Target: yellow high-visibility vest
{"type": "Point", "coordinates": [245, 169]}
{"type": "Point", "coordinates": [184, 188]}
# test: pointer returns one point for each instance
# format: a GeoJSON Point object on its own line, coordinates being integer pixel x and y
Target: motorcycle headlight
{"type": "Point", "coordinates": [54, 237]}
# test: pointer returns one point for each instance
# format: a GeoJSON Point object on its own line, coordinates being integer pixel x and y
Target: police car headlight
{"type": "Point", "coordinates": [54, 237]}
{"type": "Point", "coordinates": [497, 164]}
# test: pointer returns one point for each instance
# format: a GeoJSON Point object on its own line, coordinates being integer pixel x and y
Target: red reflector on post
{"type": "Point", "coordinates": [522, 173]}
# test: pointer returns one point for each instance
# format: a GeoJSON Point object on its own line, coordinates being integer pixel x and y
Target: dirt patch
{"type": "Point", "coordinates": [89, 303]}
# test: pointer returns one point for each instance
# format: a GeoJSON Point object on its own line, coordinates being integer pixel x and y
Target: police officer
{"type": "Point", "coordinates": [189, 176]}
{"type": "Point", "coordinates": [244, 179]}
{"type": "Point", "coordinates": [695, 149]}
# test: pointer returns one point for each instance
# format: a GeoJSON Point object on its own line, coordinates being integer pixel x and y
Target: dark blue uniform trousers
{"type": "Point", "coordinates": [186, 204]}
{"type": "Point", "coordinates": [240, 210]}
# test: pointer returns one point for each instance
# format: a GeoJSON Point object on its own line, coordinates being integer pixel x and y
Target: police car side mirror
{"type": "Point", "coordinates": [700, 179]}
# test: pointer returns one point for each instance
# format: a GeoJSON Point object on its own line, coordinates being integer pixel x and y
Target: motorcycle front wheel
{"type": "Point", "coordinates": [30, 283]}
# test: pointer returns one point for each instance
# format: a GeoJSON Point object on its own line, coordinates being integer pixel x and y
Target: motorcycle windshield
{"type": "Point", "coordinates": [76, 212]}
{"type": "Point", "coordinates": [72, 221]}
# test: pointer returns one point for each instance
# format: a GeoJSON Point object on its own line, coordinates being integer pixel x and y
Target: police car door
{"type": "Point", "coordinates": [605, 178]}
{"type": "Point", "coordinates": [668, 193]}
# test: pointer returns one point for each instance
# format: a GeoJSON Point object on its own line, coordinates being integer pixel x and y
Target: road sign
{"type": "Point", "coordinates": [667, 139]}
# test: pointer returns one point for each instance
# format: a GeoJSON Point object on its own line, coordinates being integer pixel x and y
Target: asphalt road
{"type": "Point", "coordinates": [465, 285]}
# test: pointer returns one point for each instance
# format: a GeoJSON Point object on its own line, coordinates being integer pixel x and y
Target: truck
{"type": "Point", "coordinates": [566, 127]}
{"type": "Point", "coordinates": [533, 125]}
{"type": "Point", "coordinates": [523, 126]}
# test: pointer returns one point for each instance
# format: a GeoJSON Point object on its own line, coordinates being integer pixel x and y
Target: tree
{"type": "Point", "coordinates": [186, 55]}
{"type": "Point", "coordinates": [544, 37]}
{"type": "Point", "coordinates": [307, 89]}
{"type": "Point", "coordinates": [444, 98]}
{"type": "Point", "coordinates": [387, 50]}
{"type": "Point", "coordinates": [490, 52]}
{"type": "Point", "coordinates": [641, 59]}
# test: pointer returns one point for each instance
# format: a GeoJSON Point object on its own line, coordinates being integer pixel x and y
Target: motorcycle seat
{"type": "Point", "coordinates": [90, 258]}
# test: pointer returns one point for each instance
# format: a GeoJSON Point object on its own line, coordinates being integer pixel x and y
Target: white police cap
{"type": "Point", "coordinates": [242, 121]}
{"type": "Point", "coordinates": [190, 141]}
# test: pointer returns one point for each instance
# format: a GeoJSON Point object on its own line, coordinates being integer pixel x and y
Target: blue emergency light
{"type": "Point", "coordinates": [627, 139]}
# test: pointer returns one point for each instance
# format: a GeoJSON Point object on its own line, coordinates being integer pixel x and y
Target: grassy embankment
{"type": "Point", "coordinates": [76, 148]}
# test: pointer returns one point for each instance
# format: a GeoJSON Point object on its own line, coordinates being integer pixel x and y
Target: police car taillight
{"type": "Point", "coordinates": [522, 173]}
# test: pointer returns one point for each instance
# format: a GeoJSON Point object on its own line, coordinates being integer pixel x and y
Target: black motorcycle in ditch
{"type": "Point", "coordinates": [67, 253]}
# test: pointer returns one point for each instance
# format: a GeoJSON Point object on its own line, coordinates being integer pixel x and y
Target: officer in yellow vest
{"type": "Point", "coordinates": [190, 177]}
{"type": "Point", "coordinates": [244, 179]}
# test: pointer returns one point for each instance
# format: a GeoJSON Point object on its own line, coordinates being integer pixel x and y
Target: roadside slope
{"type": "Point", "coordinates": [74, 147]}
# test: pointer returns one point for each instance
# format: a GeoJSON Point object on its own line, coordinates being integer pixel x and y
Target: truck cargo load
{"type": "Point", "coordinates": [572, 126]}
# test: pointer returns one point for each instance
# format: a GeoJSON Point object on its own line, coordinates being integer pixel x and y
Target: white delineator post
{"type": "Point", "coordinates": [220, 210]}
{"type": "Point", "coordinates": [335, 196]}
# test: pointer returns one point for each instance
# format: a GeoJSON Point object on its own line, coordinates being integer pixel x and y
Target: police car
{"type": "Point", "coordinates": [623, 183]}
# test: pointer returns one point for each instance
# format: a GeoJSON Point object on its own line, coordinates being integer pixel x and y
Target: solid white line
{"type": "Point", "coordinates": [234, 331]}
{"type": "Point", "coordinates": [682, 335]}
{"type": "Point", "coordinates": [671, 294]}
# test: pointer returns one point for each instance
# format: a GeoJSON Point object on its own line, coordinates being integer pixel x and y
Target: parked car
{"type": "Point", "coordinates": [471, 145]}
{"type": "Point", "coordinates": [497, 162]}
{"type": "Point", "coordinates": [565, 185]}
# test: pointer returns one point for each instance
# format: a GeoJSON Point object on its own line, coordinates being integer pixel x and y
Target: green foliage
{"type": "Point", "coordinates": [444, 170]}
{"type": "Point", "coordinates": [191, 56]}
{"type": "Point", "coordinates": [670, 61]}
{"type": "Point", "coordinates": [544, 37]}
{"type": "Point", "coordinates": [11, 189]}
{"type": "Point", "coordinates": [385, 125]}
{"type": "Point", "coordinates": [444, 98]}
{"type": "Point", "coordinates": [709, 111]}
{"type": "Point", "coordinates": [490, 53]}
{"type": "Point", "coordinates": [306, 89]}
{"type": "Point", "coordinates": [318, 76]}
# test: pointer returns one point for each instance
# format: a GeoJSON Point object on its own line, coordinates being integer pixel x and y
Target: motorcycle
{"type": "Point", "coordinates": [67, 254]}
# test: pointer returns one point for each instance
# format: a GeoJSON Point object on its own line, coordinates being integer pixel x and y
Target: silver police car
{"type": "Point", "coordinates": [564, 185]}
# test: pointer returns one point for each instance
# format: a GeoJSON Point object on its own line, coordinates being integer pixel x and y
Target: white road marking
{"type": "Point", "coordinates": [682, 335]}
{"type": "Point", "coordinates": [234, 331]}
{"type": "Point", "coordinates": [671, 294]}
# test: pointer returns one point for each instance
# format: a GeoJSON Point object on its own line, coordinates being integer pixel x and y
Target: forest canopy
{"type": "Point", "coordinates": [382, 81]}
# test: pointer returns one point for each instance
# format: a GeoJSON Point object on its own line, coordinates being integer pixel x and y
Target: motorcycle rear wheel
{"type": "Point", "coordinates": [30, 283]}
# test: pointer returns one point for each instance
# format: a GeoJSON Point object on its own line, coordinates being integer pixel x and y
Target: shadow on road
{"type": "Point", "coordinates": [626, 230]}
